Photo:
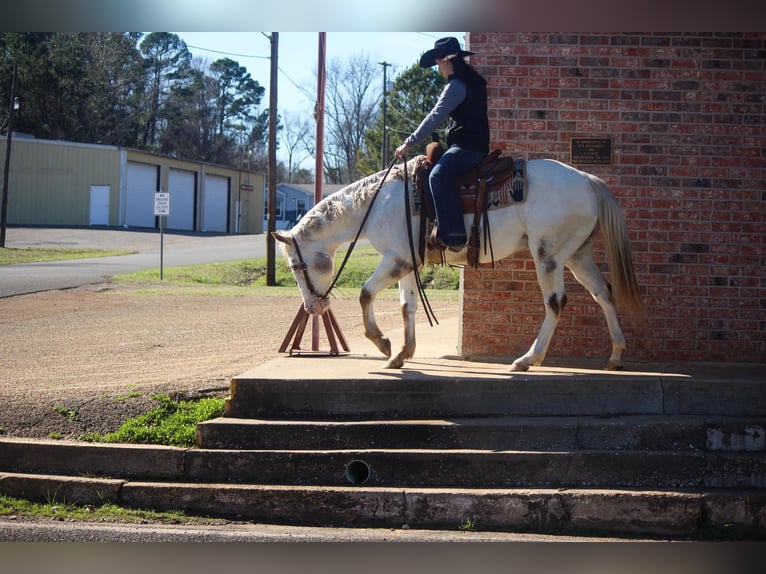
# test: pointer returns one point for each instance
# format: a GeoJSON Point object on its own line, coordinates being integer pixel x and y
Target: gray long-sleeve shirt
{"type": "Point", "coordinates": [450, 97]}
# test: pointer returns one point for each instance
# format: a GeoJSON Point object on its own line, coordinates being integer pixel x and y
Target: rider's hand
{"type": "Point", "coordinates": [401, 151]}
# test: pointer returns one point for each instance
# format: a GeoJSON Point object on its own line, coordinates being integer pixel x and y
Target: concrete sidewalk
{"type": "Point", "coordinates": [437, 353]}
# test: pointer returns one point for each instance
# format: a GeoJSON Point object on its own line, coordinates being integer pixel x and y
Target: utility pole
{"type": "Point", "coordinates": [272, 171]}
{"type": "Point", "coordinates": [384, 148]}
{"type": "Point", "coordinates": [4, 209]}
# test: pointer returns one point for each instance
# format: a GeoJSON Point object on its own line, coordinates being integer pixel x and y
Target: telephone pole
{"type": "Point", "coordinates": [384, 148]}
{"type": "Point", "coordinates": [271, 226]}
{"type": "Point", "coordinates": [4, 209]}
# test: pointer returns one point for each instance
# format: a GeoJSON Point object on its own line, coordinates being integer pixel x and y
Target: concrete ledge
{"type": "Point", "coordinates": [693, 514]}
{"type": "Point", "coordinates": [634, 432]}
{"type": "Point", "coordinates": [129, 461]}
{"type": "Point", "coordinates": [318, 506]}
{"type": "Point", "coordinates": [648, 513]}
{"type": "Point", "coordinates": [60, 489]}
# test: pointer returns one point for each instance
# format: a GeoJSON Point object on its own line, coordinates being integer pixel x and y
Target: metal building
{"type": "Point", "coordinates": [66, 183]}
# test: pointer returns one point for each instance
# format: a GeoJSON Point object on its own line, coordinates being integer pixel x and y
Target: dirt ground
{"type": "Point", "coordinates": [87, 359]}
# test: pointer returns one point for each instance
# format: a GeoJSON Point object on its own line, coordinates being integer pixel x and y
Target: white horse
{"type": "Point", "coordinates": [563, 210]}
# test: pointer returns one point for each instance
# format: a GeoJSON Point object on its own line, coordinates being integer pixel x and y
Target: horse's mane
{"type": "Point", "coordinates": [354, 197]}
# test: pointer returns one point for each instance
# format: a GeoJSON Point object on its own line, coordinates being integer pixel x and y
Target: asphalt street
{"type": "Point", "coordinates": [177, 249]}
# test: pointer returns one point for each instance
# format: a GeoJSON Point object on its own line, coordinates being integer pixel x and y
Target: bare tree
{"type": "Point", "coordinates": [297, 138]}
{"type": "Point", "coordinates": [351, 108]}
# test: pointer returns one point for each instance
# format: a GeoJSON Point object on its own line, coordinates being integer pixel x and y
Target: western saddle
{"type": "Point", "coordinates": [494, 174]}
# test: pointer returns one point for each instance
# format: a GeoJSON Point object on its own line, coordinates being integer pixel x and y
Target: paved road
{"type": "Point", "coordinates": [20, 530]}
{"type": "Point", "coordinates": [179, 249]}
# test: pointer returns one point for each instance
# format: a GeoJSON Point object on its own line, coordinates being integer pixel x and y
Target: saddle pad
{"type": "Point", "coordinates": [500, 193]}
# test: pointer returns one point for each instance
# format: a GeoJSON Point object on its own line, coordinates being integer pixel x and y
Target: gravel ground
{"type": "Point", "coordinates": [87, 359]}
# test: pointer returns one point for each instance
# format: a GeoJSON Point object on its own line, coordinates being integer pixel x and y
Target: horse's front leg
{"type": "Point", "coordinates": [390, 270]}
{"type": "Point", "coordinates": [371, 329]}
{"type": "Point", "coordinates": [409, 304]}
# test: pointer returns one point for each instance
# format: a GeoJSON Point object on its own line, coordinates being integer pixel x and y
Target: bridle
{"type": "Point", "coordinates": [304, 268]}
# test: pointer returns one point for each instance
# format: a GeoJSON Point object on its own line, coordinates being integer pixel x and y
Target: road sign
{"type": "Point", "coordinates": [162, 203]}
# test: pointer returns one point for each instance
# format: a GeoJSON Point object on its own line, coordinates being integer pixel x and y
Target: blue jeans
{"type": "Point", "coordinates": [449, 214]}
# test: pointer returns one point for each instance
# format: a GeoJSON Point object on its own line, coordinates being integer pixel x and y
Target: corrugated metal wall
{"type": "Point", "coordinates": [50, 184]}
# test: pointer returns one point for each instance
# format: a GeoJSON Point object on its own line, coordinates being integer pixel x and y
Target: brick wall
{"type": "Point", "coordinates": [687, 121]}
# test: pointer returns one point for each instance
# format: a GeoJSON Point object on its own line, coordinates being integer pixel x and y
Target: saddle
{"type": "Point", "coordinates": [495, 182]}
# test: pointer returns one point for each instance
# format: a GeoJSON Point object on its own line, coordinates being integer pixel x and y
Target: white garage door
{"type": "Point", "coordinates": [216, 204]}
{"type": "Point", "coordinates": [182, 204]}
{"type": "Point", "coordinates": [139, 204]}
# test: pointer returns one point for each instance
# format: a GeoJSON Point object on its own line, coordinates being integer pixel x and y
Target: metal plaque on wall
{"type": "Point", "coordinates": [591, 151]}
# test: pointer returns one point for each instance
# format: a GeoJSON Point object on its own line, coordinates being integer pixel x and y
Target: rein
{"type": "Point", "coordinates": [303, 267]}
{"type": "Point", "coordinates": [408, 216]}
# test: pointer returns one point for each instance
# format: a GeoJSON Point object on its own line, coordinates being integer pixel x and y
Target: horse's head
{"type": "Point", "coordinates": [313, 267]}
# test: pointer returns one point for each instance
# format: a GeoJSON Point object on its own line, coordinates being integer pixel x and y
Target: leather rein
{"type": "Point", "coordinates": [303, 266]}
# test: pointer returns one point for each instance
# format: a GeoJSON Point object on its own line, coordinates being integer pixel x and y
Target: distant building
{"type": "Point", "coordinates": [293, 201]}
{"type": "Point", "coordinates": [73, 184]}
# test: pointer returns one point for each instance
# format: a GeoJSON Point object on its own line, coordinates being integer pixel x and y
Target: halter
{"type": "Point", "coordinates": [302, 266]}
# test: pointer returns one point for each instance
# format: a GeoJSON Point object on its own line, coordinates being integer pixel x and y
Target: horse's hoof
{"type": "Point", "coordinates": [612, 366]}
{"type": "Point", "coordinates": [394, 363]}
{"type": "Point", "coordinates": [519, 367]}
{"type": "Point", "coordinates": [384, 346]}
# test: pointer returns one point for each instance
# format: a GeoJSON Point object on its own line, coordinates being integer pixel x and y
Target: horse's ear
{"type": "Point", "coordinates": [281, 236]}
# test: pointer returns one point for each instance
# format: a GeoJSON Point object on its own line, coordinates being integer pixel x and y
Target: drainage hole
{"type": "Point", "coordinates": [357, 472]}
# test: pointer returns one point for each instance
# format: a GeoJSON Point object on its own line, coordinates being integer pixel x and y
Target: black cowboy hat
{"type": "Point", "coordinates": [443, 47]}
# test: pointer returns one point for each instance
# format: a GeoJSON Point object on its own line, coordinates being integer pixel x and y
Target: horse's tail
{"type": "Point", "coordinates": [615, 234]}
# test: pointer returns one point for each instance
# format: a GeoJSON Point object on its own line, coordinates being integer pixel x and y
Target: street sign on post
{"type": "Point", "coordinates": [162, 210]}
{"type": "Point", "coordinates": [162, 203]}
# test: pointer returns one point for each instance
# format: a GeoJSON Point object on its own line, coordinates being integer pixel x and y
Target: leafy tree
{"type": "Point", "coordinates": [117, 74]}
{"type": "Point", "coordinates": [82, 87]}
{"type": "Point", "coordinates": [237, 95]}
{"type": "Point", "coordinates": [133, 90]}
{"type": "Point", "coordinates": [189, 130]}
{"type": "Point", "coordinates": [34, 82]}
{"type": "Point", "coordinates": [414, 93]}
{"type": "Point", "coordinates": [167, 59]}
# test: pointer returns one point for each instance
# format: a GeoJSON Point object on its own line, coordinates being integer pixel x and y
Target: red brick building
{"type": "Point", "coordinates": [676, 126]}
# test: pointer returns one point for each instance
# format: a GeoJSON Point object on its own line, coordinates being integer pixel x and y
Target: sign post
{"type": "Point", "coordinates": [162, 210]}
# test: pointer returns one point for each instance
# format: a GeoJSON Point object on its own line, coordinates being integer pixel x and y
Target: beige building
{"type": "Point", "coordinates": [66, 183]}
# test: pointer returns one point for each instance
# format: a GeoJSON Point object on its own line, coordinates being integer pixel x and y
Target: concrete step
{"type": "Point", "coordinates": [703, 514]}
{"type": "Point", "coordinates": [639, 432]}
{"type": "Point", "coordinates": [391, 468]}
{"type": "Point", "coordinates": [481, 468]}
{"type": "Point", "coordinates": [316, 394]}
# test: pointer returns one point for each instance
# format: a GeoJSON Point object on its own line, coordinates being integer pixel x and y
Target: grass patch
{"type": "Point", "coordinates": [252, 273]}
{"type": "Point", "coordinates": [172, 423]}
{"type": "Point", "coordinates": [62, 510]}
{"type": "Point", "coordinates": [12, 255]}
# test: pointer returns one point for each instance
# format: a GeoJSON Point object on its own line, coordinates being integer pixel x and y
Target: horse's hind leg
{"type": "Point", "coordinates": [550, 275]}
{"type": "Point", "coordinates": [586, 272]}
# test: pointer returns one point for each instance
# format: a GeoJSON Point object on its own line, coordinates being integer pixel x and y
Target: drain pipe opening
{"type": "Point", "coordinates": [357, 472]}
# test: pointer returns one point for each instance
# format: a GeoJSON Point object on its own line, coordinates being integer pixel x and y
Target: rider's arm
{"type": "Point", "coordinates": [451, 95]}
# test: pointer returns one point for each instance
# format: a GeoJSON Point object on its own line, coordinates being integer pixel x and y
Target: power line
{"type": "Point", "coordinates": [308, 95]}
{"type": "Point", "coordinates": [227, 53]}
